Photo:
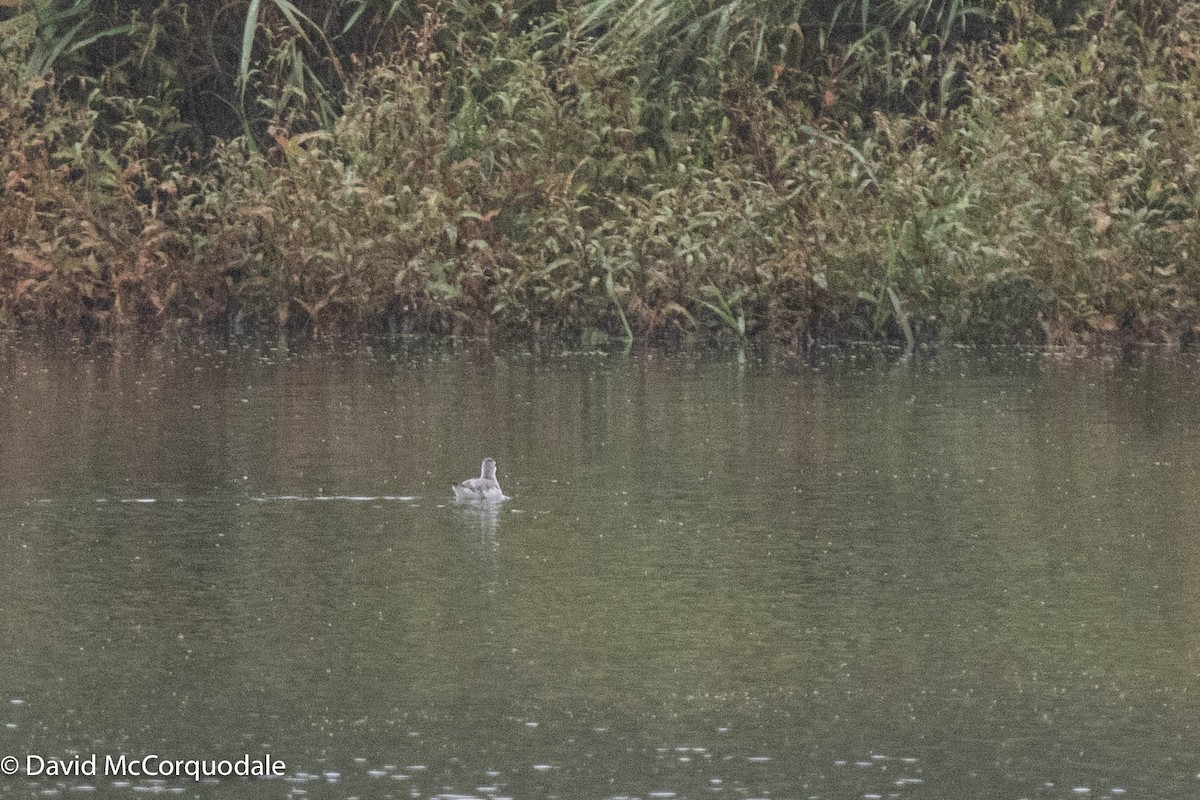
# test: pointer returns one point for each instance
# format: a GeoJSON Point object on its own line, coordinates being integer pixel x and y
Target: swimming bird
{"type": "Point", "coordinates": [483, 488]}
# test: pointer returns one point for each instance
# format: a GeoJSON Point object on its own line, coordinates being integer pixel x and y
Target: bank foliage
{"type": "Point", "coordinates": [1021, 170]}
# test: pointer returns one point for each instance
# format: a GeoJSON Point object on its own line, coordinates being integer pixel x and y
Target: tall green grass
{"type": "Point", "coordinates": [640, 170]}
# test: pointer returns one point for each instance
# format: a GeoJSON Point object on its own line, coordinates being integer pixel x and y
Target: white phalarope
{"type": "Point", "coordinates": [483, 488]}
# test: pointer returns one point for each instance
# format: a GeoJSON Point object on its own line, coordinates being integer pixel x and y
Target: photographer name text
{"type": "Point", "coordinates": [149, 766]}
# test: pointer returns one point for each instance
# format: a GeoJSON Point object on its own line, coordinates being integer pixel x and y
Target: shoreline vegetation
{"type": "Point", "coordinates": [1024, 171]}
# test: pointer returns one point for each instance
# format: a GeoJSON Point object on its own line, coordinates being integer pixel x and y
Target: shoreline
{"type": "Point", "coordinates": [1050, 195]}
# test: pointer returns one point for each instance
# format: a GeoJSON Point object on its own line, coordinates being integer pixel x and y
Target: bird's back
{"type": "Point", "coordinates": [478, 489]}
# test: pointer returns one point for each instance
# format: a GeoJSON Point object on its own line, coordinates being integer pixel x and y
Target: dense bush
{"type": "Point", "coordinates": [1008, 174]}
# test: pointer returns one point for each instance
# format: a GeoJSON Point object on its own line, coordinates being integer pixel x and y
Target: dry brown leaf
{"type": "Point", "coordinates": [39, 265]}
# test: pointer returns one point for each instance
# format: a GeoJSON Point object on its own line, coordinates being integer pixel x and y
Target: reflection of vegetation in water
{"type": "Point", "coordinates": [914, 557]}
{"type": "Point", "coordinates": [904, 170]}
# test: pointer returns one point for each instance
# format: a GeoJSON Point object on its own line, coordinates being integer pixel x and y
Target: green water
{"type": "Point", "coordinates": [976, 576]}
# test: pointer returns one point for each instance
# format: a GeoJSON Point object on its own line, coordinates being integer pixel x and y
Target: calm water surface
{"type": "Point", "coordinates": [971, 577]}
